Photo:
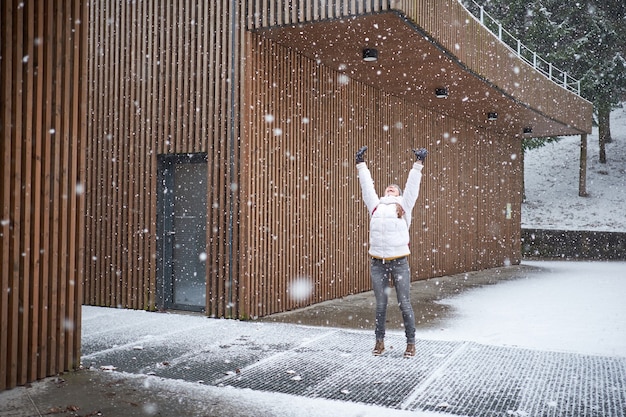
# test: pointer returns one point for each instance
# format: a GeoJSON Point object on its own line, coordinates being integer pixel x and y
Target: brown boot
{"type": "Point", "coordinates": [410, 350]}
{"type": "Point", "coordinates": [379, 348]}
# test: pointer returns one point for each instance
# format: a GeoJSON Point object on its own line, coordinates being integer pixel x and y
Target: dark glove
{"type": "Point", "coordinates": [359, 154]}
{"type": "Point", "coordinates": [420, 154]}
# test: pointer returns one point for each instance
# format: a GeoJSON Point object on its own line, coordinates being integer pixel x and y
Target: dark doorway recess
{"type": "Point", "coordinates": [182, 205]}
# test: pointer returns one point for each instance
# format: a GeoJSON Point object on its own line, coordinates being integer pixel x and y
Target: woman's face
{"type": "Point", "coordinates": [392, 191]}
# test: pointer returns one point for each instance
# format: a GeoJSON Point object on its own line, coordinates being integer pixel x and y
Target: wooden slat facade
{"type": "Point", "coordinates": [42, 160]}
{"type": "Point", "coordinates": [162, 81]}
{"type": "Point", "coordinates": [301, 211]}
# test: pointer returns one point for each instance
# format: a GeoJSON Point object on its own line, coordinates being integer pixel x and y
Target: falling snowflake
{"type": "Point", "coordinates": [300, 288]}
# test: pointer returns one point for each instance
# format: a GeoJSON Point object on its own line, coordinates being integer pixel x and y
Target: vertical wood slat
{"type": "Point", "coordinates": [237, 69]}
{"type": "Point", "coordinates": [40, 100]}
{"type": "Point", "coordinates": [21, 242]}
{"type": "Point", "coordinates": [130, 233]}
{"type": "Point", "coordinates": [89, 254]}
{"type": "Point", "coordinates": [141, 219]}
{"type": "Point", "coordinates": [15, 204]}
{"type": "Point", "coordinates": [219, 171]}
{"type": "Point", "coordinates": [79, 139]}
{"type": "Point", "coordinates": [37, 106]}
{"type": "Point", "coordinates": [119, 107]}
{"type": "Point", "coordinates": [67, 194]}
{"type": "Point", "coordinates": [6, 110]}
{"type": "Point", "coordinates": [109, 197]}
{"type": "Point", "coordinates": [124, 228]}
{"type": "Point", "coordinates": [72, 135]}
{"type": "Point", "coordinates": [55, 137]}
{"type": "Point", "coordinates": [46, 271]}
{"type": "Point", "coordinates": [229, 40]}
{"type": "Point", "coordinates": [244, 290]}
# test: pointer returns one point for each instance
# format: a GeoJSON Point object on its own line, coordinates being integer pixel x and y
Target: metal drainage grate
{"type": "Point", "coordinates": [457, 378]}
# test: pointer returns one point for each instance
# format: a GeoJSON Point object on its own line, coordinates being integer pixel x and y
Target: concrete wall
{"type": "Point", "coordinates": [573, 244]}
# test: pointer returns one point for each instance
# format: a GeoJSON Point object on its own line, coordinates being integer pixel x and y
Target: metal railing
{"type": "Point", "coordinates": [546, 68]}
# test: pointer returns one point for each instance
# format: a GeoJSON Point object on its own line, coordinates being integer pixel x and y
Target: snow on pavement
{"type": "Point", "coordinates": [570, 307]}
{"type": "Point", "coordinates": [232, 401]}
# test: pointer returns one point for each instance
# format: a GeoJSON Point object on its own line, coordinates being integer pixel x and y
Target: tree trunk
{"type": "Point", "coordinates": [608, 138]}
{"type": "Point", "coordinates": [582, 177]}
{"type": "Point", "coordinates": [607, 126]}
{"type": "Point", "coordinates": [604, 129]}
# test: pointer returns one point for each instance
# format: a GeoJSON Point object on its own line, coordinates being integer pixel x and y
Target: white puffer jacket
{"type": "Point", "coordinates": [389, 235]}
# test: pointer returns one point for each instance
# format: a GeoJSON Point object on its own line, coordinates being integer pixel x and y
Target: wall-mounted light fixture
{"type": "Point", "coordinates": [528, 130]}
{"type": "Point", "coordinates": [492, 115]}
{"type": "Point", "coordinates": [441, 92]}
{"type": "Point", "coordinates": [370, 54]}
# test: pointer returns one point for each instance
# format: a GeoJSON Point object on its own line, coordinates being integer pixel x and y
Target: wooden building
{"type": "Point", "coordinates": [200, 155]}
{"type": "Point", "coordinates": [42, 163]}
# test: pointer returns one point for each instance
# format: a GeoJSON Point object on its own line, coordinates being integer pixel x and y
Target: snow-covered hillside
{"type": "Point", "coordinates": [551, 175]}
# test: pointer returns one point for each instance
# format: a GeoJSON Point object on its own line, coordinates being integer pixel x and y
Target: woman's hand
{"type": "Point", "coordinates": [420, 154]}
{"type": "Point", "coordinates": [359, 154]}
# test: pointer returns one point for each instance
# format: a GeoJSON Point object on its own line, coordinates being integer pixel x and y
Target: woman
{"type": "Point", "coordinates": [389, 245]}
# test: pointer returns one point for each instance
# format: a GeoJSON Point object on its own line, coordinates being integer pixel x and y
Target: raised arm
{"type": "Point", "coordinates": [370, 198]}
{"type": "Point", "coordinates": [412, 188]}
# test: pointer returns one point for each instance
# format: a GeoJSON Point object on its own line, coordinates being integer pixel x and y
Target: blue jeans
{"type": "Point", "coordinates": [397, 270]}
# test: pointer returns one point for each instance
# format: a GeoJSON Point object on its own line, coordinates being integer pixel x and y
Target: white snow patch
{"type": "Point", "coordinates": [572, 306]}
{"type": "Point", "coordinates": [551, 179]}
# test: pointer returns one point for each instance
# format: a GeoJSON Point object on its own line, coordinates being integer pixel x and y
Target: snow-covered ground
{"type": "Point", "coordinates": [570, 306]}
{"type": "Point", "coordinates": [563, 306]}
{"type": "Point", "coordinates": [551, 175]}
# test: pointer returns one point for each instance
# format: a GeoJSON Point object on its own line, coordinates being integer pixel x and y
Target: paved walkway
{"type": "Point", "coordinates": [456, 378]}
{"type": "Point", "coordinates": [459, 378]}
{"type": "Point", "coordinates": [144, 363]}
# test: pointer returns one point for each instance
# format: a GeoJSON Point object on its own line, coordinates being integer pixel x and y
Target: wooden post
{"type": "Point", "coordinates": [582, 179]}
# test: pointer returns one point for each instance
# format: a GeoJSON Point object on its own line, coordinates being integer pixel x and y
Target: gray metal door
{"type": "Point", "coordinates": [182, 208]}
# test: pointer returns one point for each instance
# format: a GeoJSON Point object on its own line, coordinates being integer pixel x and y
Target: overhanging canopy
{"type": "Point", "coordinates": [412, 64]}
